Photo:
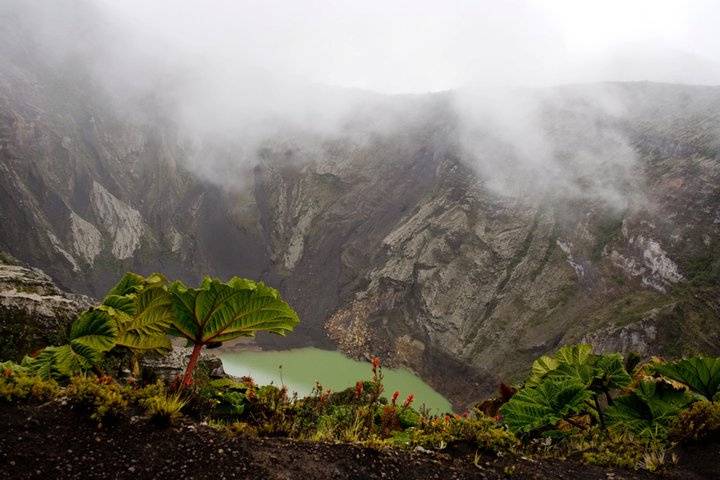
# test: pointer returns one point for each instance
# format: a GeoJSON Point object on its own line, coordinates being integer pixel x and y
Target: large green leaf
{"type": "Point", "coordinates": [610, 373]}
{"type": "Point", "coordinates": [584, 373]}
{"type": "Point", "coordinates": [649, 409]}
{"type": "Point", "coordinates": [45, 364]}
{"type": "Point", "coordinates": [93, 329]}
{"type": "Point", "coordinates": [574, 354]}
{"type": "Point", "coordinates": [136, 314]}
{"type": "Point", "coordinates": [217, 311]}
{"type": "Point", "coordinates": [599, 373]}
{"type": "Point", "coordinates": [141, 310]}
{"type": "Point", "coordinates": [134, 283]}
{"type": "Point", "coordinates": [541, 367]}
{"type": "Point", "coordinates": [91, 334]}
{"type": "Point", "coordinates": [543, 406]}
{"type": "Point", "coordinates": [700, 374]}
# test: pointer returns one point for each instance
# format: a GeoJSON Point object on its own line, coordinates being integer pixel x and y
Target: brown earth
{"type": "Point", "coordinates": [53, 441]}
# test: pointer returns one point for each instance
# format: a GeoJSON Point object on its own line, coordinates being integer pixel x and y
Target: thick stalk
{"type": "Point", "coordinates": [135, 366]}
{"type": "Point", "coordinates": [187, 378]}
{"type": "Point", "coordinates": [599, 412]}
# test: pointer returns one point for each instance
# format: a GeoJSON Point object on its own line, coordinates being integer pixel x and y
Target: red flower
{"type": "Point", "coordinates": [408, 400]}
{"type": "Point", "coordinates": [395, 396]}
{"type": "Point", "coordinates": [359, 389]}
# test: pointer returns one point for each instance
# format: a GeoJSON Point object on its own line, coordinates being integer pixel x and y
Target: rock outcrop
{"type": "Point", "coordinates": [34, 312]}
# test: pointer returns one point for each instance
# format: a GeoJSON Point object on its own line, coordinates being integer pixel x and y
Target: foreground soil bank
{"type": "Point", "coordinates": [53, 441]}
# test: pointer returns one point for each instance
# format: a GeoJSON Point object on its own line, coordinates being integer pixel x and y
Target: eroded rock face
{"type": "Point", "coordinates": [34, 312]}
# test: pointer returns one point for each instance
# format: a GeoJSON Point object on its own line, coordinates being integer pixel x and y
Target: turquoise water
{"type": "Point", "coordinates": [302, 367]}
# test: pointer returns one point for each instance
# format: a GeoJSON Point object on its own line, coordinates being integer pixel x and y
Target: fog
{"type": "Point", "coordinates": [246, 72]}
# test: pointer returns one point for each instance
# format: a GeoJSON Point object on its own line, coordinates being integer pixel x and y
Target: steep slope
{"type": "Point", "coordinates": [89, 190]}
{"type": "Point", "coordinates": [390, 241]}
{"type": "Point", "coordinates": [494, 281]}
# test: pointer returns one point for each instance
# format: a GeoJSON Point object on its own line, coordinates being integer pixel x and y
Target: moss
{"type": "Point", "coordinates": [17, 386]}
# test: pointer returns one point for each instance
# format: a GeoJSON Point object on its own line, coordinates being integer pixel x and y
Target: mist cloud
{"type": "Point", "coordinates": [236, 74]}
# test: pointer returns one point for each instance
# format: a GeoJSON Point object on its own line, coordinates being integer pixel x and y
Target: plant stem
{"type": "Point", "coordinates": [599, 412]}
{"type": "Point", "coordinates": [187, 378]}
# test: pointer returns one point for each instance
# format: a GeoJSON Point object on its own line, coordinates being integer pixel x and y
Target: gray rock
{"type": "Point", "coordinates": [34, 312]}
{"type": "Point", "coordinates": [169, 367]}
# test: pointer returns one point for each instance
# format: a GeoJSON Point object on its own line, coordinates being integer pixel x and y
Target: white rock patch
{"type": "Point", "coordinates": [58, 246]}
{"type": "Point", "coordinates": [658, 262]}
{"type": "Point", "coordinates": [176, 240]}
{"type": "Point", "coordinates": [122, 221]}
{"type": "Point", "coordinates": [86, 238]}
{"type": "Point", "coordinates": [654, 267]}
{"type": "Point", "coordinates": [565, 247]}
{"type": "Point", "coordinates": [296, 245]}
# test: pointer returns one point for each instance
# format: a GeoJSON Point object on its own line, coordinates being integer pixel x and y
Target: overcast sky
{"type": "Point", "coordinates": [420, 45]}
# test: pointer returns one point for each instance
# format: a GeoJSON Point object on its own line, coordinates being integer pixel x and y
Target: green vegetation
{"type": "Point", "coordinates": [139, 313]}
{"type": "Point", "coordinates": [649, 409]}
{"type": "Point", "coordinates": [575, 403]}
{"type": "Point", "coordinates": [571, 383]}
{"type": "Point", "coordinates": [601, 408]}
{"type": "Point", "coordinates": [134, 316]}
{"type": "Point", "coordinates": [217, 312]}
{"type": "Point", "coordinates": [700, 374]}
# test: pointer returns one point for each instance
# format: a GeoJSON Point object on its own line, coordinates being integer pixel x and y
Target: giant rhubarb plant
{"type": "Point", "coordinates": [217, 312]}
{"type": "Point", "coordinates": [134, 315]}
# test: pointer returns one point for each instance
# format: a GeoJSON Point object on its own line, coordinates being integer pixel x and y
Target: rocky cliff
{"type": "Point", "coordinates": [388, 241]}
{"type": "Point", "coordinates": [34, 312]}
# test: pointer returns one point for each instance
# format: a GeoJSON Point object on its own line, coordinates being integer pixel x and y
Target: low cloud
{"type": "Point", "coordinates": [233, 75]}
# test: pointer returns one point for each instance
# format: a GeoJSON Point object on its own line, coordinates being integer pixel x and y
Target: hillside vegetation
{"type": "Point", "coordinates": [602, 409]}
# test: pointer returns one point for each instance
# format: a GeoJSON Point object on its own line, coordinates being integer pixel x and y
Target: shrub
{"type": "Point", "coordinates": [409, 417]}
{"type": "Point", "coordinates": [649, 409]}
{"type": "Point", "coordinates": [102, 396]}
{"type": "Point", "coordinates": [542, 407]}
{"type": "Point", "coordinates": [163, 409]}
{"type": "Point", "coordinates": [482, 432]}
{"type": "Point", "coordinates": [137, 395]}
{"type": "Point", "coordinates": [343, 422]}
{"type": "Point", "coordinates": [269, 407]}
{"type": "Point", "coordinates": [616, 449]}
{"type": "Point", "coordinates": [20, 386]}
{"type": "Point", "coordinates": [226, 398]}
{"type": "Point", "coordinates": [700, 422]}
{"type": "Point", "coordinates": [574, 381]}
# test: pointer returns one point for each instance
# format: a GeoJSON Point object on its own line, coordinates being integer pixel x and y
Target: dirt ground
{"type": "Point", "coordinates": [54, 442]}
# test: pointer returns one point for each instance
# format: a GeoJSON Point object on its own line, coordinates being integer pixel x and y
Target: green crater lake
{"type": "Point", "coordinates": [302, 367]}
